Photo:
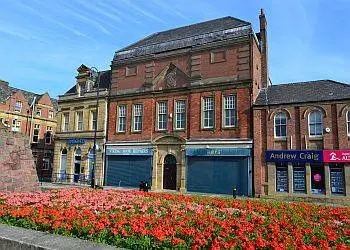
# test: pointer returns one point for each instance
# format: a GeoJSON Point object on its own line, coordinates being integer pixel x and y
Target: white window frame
{"type": "Point", "coordinates": [36, 128]}
{"type": "Point", "coordinates": [46, 164]}
{"type": "Point", "coordinates": [78, 121]}
{"type": "Point", "coordinates": [179, 111]}
{"type": "Point", "coordinates": [38, 112]}
{"type": "Point", "coordinates": [48, 129]}
{"type": "Point", "coordinates": [16, 125]}
{"type": "Point", "coordinates": [65, 122]}
{"type": "Point", "coordinates": [92, 119]}
{"type": "Point", "coordinates": [315, 123]}
{"type": "Point", "coordinates": [224, 108]}
{"type": "Point", "coordinates": [137, 113]}
{"type": "Point", "coordinates": [50, 114]}
{"type": "Point", "coordinates": [281, 124]}
{"type": "Point", "coordinates": [18, 108]}
{"type": "Point", "coordinates": [121, 117]}
{"type": "Point", "coordinates": [348, 122]}
{"type": "Point", "coordinates": [205, 109]}
{"type": "Point", "coordinates": [162, 112]}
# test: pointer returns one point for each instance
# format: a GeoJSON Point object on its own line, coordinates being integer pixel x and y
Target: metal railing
{"type": "Point", "coordinates": [83, 179]}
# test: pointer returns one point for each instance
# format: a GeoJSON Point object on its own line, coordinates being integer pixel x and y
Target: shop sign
{"type": "Point", "coordinates": [294, 156]}
{"type": "Point", "coordinates": [129, 151]}
{"type": "Point", "coordinates": [218, 151]}
{"type": "Point", "coordinates": [337, 156]}
{"type": "Point", "coordinates": [74, 141]}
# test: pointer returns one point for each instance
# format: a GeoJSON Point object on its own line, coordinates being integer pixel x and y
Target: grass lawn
{"type": "Point", "coordinates": [138, 220]}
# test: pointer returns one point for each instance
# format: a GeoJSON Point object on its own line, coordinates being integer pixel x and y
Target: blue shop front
{"type": "Point", "coordinates": [126, 167]}
{"type": "Point", "coordinates": [219, 170]}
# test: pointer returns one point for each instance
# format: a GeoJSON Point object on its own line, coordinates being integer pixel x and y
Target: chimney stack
{"type": "Point", "coordinates": [264, 50]}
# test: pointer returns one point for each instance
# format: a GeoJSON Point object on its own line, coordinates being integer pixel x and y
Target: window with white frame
{"type": "Point", "coordinates": [46, 164]}
{"type": "Point", "coordinates": [48, 135]}
{"type": "Point", "coordinates": [16, 125]}
{"type": "Point", "coordinates": [315, 123]}
{"type": "Point", "coordinates": [38, 112]}
{"type": "Point", "coordinates": [208, 112]}
{"type": "Point", "coordinates": [18, 106]}
{"type": "Point", "coordinates": [162, 115]}
{"type": "Point", "coordinates": [93, 119]}
{"type": "Point", "coordinates": [229, 111]}
{"type": "Point", "coordinates": [79, 117]}
{"type": "Point", "coordinates": [121, 118]}
{"type": "Point", "coordinates": [36, 133]}
{"type": "Point", "coordinates": [65, 124]}
{"type": "Point", "coordinates": [50, 114]}
{"type": "Point", "coordinates": [180, 114]}
{"type": "Point", "coordinates": [137, 117]}
{"type": "Point", "coordinates": [280, 121]}
{"type": "Point", "coordinates": [348, 121]}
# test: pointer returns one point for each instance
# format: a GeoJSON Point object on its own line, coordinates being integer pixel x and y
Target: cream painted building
{"type": "Point", "coordinates": [76, 122]}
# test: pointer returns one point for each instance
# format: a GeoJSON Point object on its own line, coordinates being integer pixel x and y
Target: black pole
{"type": "Point", "coordinates": [95, 132]}
{"type": "Point", "coordinates": [27, 122]}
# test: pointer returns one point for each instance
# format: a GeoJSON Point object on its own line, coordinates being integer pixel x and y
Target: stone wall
{"type": "Point", "coordinates": [17, 168]}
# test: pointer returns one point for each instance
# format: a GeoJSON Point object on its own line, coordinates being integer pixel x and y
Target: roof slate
{"type": "Point", "coordinates": [191, 35]}
{"type": "Point", "coordinates": [303, 92]}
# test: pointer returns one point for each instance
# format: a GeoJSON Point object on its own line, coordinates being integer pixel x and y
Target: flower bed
{"type": "Point", "coordinates": [152, 220]}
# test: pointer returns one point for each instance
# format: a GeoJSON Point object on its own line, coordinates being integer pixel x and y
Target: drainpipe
{"type": "Point", "coordinates": [31, 120]}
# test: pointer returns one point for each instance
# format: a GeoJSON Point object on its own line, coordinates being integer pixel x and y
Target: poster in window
{"type": "Point", "coordinates": [299, 184]}
{"type": "Point", "coordinates": [337, 180]}
{"type": "Point", "coordinates": [282, 179]}
{"type": "Point", "coordinates": [317, 179]}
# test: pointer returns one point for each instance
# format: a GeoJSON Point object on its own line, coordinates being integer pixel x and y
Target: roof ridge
{"type": "Point", "coordinates": [310, 82]}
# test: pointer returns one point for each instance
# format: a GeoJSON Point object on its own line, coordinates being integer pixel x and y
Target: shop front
{"type": "Point", "coordinates": [308, 172]}
{"type": "Point", "coordinates": [219, 170]}
{"type": "Point", "coordinates": [127, 166]}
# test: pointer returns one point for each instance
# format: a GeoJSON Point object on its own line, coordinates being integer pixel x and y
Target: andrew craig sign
{"type": "Point", "coordinates": [337, 156]}
{"type": "Point", "coordinates": [302, 156]}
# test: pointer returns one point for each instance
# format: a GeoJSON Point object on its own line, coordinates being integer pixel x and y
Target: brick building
{"type": "Point", "coordinates": [302, 140]}
{"type": "Point", "coordinates": [76, 122]}
{"type": "Point", "coordinates": [33, 115]}
{"type": "Point", "coordinates": [180, 107]}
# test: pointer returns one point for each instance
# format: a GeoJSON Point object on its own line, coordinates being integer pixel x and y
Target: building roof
{"type": "Point", "coordinates": [6, 91]}
{"type": "Point", "coordinates": [105, 81]}
{"type": "Point", "coordinates": [187, 36]}
{"type": "Point", "coordinates": [303, 92]}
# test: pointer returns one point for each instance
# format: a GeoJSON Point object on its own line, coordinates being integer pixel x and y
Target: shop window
{"type": "Point", "coordinates": [317, 179]}
{"type": "Point", "coordinates": [299, 178]}
{"type": "Point", "coordinates": [180, 114]}
{"type": "Point", "coordinates": [208, 112]}
{"type": "Point", "coordinates": [282, 177]}
{"type": "Point", "coordinates": [137, 119]}
{"type": "Point", "coordinates": [162, 115]}
{"type": "Point", "coordinates": [315, 123]}
{"type": "Point", "coordinates": [36, 133]}
{"type": "Point", "coordinates": [121, 118]}
{"type": "Point", "coordinates": [337, 178]}
{"type": "Point", "coordinates": [18, 106]}
{"type": "Point", "coordinates": [280, 121]}
{"type": "Point", "coordinates": [131, 71]}
{"type": "Point", "coordinates": [229, 111]}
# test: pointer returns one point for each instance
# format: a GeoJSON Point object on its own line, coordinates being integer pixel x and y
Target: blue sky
{"type": "Point", "coordinates": [43, 42]}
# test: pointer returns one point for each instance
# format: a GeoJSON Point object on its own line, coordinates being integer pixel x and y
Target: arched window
{"type": "Point", "coordinates": [315, 123]}
{"type": "Point", "coordinates": [280, 125]}
{"type": "Point", "coordinates": [348, 121]}
{"type": "Point", "coordinates": [63, 164]}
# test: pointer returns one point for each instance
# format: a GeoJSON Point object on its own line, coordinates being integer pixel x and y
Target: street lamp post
{"type": "Point", "coordinates": [95, 75]}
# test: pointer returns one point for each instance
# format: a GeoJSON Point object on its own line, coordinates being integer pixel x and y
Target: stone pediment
{"type": "Point", "coordinates": [170, 77]}
{"type": "Point", "coordinates": [169, 139]}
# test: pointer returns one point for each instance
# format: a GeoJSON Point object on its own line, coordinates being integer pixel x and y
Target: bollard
{"type": "Point", "coordinates": [234, 192]}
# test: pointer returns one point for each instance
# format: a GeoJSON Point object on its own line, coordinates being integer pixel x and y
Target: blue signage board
{"type": "Point", "coordinates": [294, 156]}
{"type": "Point", "coordinates": [73, 141]}
{"type": "Point", "coordinates": [129, 151]}
{"type": "Point", "coordinates": [218, 151]}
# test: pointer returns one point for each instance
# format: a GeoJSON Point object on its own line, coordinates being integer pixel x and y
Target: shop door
{"type": "Point", "coordinates": [169, 172]}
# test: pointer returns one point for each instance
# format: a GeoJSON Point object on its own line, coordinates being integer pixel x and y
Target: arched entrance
{"type": "Point", "coordinates": [63, 165]}
{"type": "Point", "coordinates": [169, 172]}
{"type": "Point", "coordinates": [77, 164]}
